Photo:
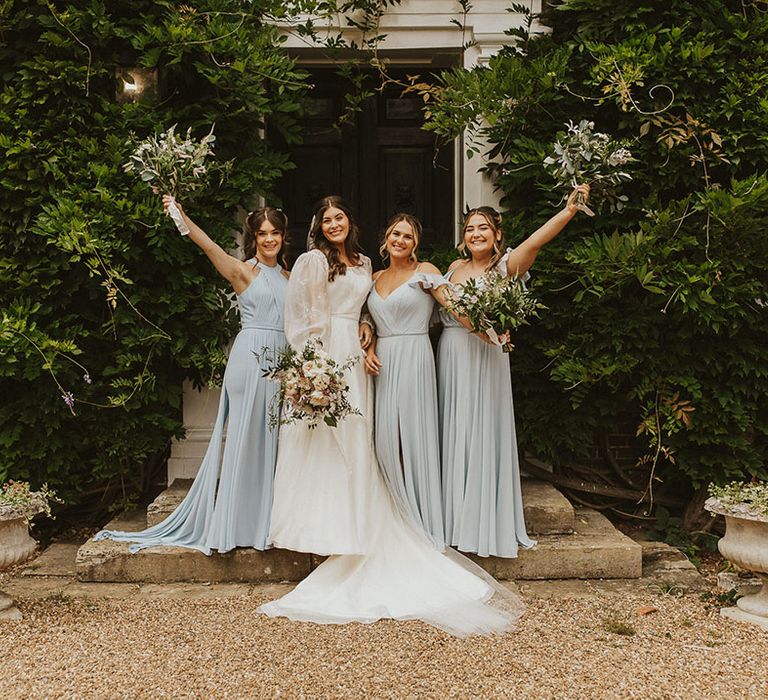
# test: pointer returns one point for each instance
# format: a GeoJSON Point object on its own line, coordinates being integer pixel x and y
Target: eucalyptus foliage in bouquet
{"type": "Point", "coordinates": [584, 156]}
{"type": "Point", "coordinates": [748, 500]}
{"type": "Point", "coordinates": [495, 305]}
{"type": "Point", "coordinates": [17, 500]}
{"type": "Point", "coordinates": [177, 166]}
{"type": "Point", "coordinates": [312, 387]}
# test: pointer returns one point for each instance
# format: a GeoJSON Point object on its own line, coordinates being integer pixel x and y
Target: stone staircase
{"type": "Point", "coordinates": [572, 543]}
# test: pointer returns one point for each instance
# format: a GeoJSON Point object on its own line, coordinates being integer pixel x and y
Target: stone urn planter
{"type": "Point", "coordinates": [18, 503]}
{"type": "Point", "coordinates": [745, 544]}
{"type": "Point", "coordinates": [16, 546]}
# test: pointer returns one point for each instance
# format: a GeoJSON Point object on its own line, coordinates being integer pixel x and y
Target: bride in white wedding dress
{"type": "Point", "coordinates": [331, 499]}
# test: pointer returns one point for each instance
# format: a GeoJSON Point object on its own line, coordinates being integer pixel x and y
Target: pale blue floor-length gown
{"type": "Point", "coordinates": [230, 502]}
{"type": "Point", "coordinates": [406, 418]}
{"type": "Point", "coordinates": [483, 505]}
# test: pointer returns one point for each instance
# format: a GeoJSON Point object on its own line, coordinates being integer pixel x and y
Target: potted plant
{"type": "Point", "coordinates": [745, 508]}
{"type": "Point", "coordinates": [18, 504]}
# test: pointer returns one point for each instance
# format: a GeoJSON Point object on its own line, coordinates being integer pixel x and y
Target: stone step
{"type": "Point", "coordinates": [167, 501]}
{"type": "Point", "coordinates": [109, 561]}
{"type": "Point", "coordinates": [594, 550]}
{"type": "Point", "coordinates": [547, 511]}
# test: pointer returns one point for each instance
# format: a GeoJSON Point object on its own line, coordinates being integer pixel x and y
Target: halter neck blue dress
{"type": "Point", "coordinates": [230, 502]}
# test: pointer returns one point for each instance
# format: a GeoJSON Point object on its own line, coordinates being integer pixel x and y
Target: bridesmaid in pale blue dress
{"type": "Point", "coordinates": [229, 504]}
{"type": "Point", "coordinates": [407, 442]}
{"type": "Point", "coordinates": [483, 505]}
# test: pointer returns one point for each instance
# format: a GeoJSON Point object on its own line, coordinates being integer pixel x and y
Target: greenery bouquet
{"type": "Point", "coordinates": [495, 305]}
{"type": "Point", "coordinates": [312, 387]}
{"type": "Point", "coordinates": [583, 155]}
{"type": "Point", "coordinates": [173, 165]}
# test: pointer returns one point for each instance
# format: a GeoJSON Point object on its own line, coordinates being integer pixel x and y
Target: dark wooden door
{"type": "Point", "coordinates": [382, 163]}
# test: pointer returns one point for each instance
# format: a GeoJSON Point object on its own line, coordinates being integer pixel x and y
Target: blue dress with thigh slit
{"type": "Point", "coordinates": [229, 504]}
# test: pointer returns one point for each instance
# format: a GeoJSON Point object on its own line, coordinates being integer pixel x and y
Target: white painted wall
{"type": "Point", "coordinates": [414, 26]}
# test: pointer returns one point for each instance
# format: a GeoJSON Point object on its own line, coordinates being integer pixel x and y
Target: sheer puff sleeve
{"type": "Point", "coordinates": [307, 309]}
{"type": "Point", "coordinates": [365, 316]}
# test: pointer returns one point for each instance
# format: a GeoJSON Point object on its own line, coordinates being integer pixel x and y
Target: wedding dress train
{"type": "Point", "coordinates": [331, 498]}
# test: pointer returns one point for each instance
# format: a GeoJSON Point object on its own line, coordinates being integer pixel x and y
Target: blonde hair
{"type": "Point", "coordinates": [494, 221]}
{"type": "Point", "coordinates": [415, 225]}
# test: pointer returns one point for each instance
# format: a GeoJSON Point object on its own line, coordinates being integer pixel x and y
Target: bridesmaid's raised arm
{"type": "Point", "coordinates": [236, 272]}
{"type": "Point", "coordinates": [520, 259]}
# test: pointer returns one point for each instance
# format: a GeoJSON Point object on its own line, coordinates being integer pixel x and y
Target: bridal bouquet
{"type": "Point", "coordinates": [312, 387]}
{"type": "Point", "coordinates": [173, 165]}
{"type": "Point", "coordinates": [494, 304]}
{"type": "Point", "coordinates": [585, 156]}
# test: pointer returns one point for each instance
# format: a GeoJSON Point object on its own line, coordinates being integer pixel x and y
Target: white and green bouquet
{"type": "Point", "coordinates": [586, 156]}
{"type": "Point", "coordinates": [495, 305]}
{"type": "Point", "coordinates": [176, 166]}
{"type": "Point", "coordinates": [18, 500]}
{"type": "Point", "coordinates": [312, 386]}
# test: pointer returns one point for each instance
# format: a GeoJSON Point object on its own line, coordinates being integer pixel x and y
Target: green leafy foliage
{"type": "Point", "coordinates": [656, 314]}
{"type": "Point", "coordinates": [101, 301]}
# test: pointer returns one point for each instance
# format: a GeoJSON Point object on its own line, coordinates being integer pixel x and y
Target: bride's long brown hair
{"type": "Point", "coordinates": [352, 247]}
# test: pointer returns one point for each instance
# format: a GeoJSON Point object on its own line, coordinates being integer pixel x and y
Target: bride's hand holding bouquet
{"type": "Point", "coordinates": [312, 387]}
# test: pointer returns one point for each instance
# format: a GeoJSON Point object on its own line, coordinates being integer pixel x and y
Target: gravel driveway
{"type": "Point", "coordinates": [599, 644]}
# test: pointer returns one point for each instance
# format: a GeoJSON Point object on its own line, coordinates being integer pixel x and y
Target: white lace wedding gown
{"type": "Point", "coordinates": [330, 498]}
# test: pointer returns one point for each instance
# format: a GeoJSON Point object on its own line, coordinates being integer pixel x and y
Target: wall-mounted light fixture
{"type": "Point", "coordinates": [135, 84]}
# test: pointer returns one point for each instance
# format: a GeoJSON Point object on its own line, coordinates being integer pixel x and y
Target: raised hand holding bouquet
{"type": "Point", "coordinates": [312, 387]}
{"type": "Point", "coordinates": [586, 156]}
{"type": "Point", "coordinates": [494, 305]}
{"type": "Point", "coordinates": [175, 166]}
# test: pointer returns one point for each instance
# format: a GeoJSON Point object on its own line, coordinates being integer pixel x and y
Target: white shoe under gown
{"type": "Point", "coordinates": [330, 497]}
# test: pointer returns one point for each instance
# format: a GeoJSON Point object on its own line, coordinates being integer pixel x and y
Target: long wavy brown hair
{"type": "Point", "coordinates": [494, 221]}
{"type": "Point", "coordinates": [352, 247]}
{"type": "Point", "coordinates": [253, 223]}
{"type": "Point", "coordinates": [414, 223]}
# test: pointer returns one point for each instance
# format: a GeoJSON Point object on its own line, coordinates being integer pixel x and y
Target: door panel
{"type": "Point", "coordinates": [382, 163]}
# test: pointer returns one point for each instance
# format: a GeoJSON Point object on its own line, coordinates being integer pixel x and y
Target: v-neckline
{"type": "Point", "coordinates": [402, 284]}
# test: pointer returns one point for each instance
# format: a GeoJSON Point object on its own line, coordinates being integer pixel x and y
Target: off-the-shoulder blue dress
{"type": "Point", "coordinates": [407, 440]}
{"type": "Point", "coordinates": [483, 505]}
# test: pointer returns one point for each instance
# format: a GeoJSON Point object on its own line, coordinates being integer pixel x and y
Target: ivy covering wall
{"type": "Point", "coordinates": [101, 301]}
{"type": "Point", "coordinates": [657, 314]}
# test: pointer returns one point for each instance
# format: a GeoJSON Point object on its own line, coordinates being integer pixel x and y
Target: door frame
{"type": "Point", "coordinates": [422, 60]}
